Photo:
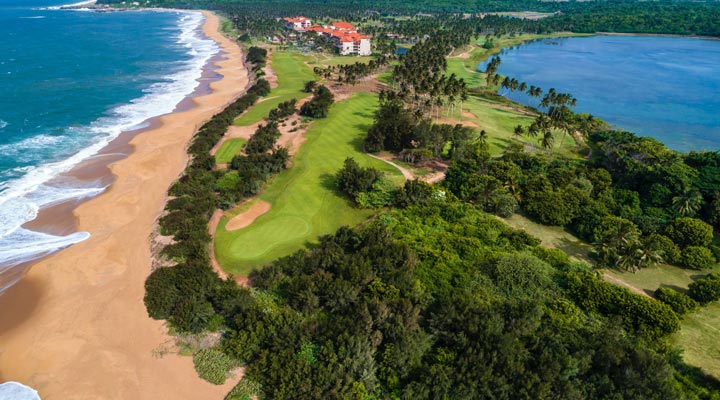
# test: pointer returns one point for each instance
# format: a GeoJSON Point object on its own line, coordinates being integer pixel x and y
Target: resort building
{"type": "Point", "coordinates": [297, 23]}
{"type": "Point", "coordinates": [346, 38]}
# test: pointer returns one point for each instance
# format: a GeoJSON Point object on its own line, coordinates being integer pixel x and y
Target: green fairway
{"type": "Point", "coordinates": [292, 74]}
{"type": "Point", "coordinates": [228, 150]}
{"type": "Point", "coordinates": [305, 203]}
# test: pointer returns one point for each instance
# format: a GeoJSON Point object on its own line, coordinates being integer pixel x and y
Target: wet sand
{"type": "Point", "coordinates": [75, 327]}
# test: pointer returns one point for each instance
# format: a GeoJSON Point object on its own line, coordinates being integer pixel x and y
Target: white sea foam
{"type": "Point", "coordinates": [3, 123]}
{"type": "Point", "coordinates": [73, 5]}
{"type": "Point", "coordinates": [22, 198]}
{"type": "Point", "coordinates": [34, 17]}
{"type": "Point", "coordinates": [17, 391]}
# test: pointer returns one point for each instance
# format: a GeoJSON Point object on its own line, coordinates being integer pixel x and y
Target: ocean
{"type": "Point", "coordinates": [70, 82]}
{"type": "Point", "coordinates": [663, 87]}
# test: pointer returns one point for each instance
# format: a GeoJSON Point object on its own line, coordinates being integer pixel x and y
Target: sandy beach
{"type": "Point", "coordinates": [76, 327]}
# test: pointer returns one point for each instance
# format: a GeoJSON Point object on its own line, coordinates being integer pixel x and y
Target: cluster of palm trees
{"type": "Point", "coordinates": [350, 73]}
{"type": "Point", "coordinates": [620, 246]}
{"type": "Point", "coordinates": [420, 78]}
{"type": "Point", "coordinates": [558, 116]}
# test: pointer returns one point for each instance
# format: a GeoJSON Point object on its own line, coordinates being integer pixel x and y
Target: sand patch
{"type": "Point", "coordinates": [246, 218]}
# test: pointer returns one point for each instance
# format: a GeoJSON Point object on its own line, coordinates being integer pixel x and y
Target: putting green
{"type": "Point", "coordinates": [304, 199]}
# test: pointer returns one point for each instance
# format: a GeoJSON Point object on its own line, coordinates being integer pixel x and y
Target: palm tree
{"type": "Point", "coordinates": [688, 203]}
{"type": "Point", "coordinates": [547, 141]}
{"type": "Point", "coordinates": [519, 131]}
{"type": "Point", "coordinates": [483, 137]}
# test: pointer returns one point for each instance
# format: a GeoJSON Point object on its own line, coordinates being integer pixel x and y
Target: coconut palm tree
{"type": "Point", "coordinates": [547, 141]}
{"type": "Point", "coordinates": [688, 203]}
{"type": "Point", "coordinates": [519, 131]}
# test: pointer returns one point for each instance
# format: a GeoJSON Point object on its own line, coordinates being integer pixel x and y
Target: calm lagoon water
{"type": "Point", "coordinates": [667, 88]}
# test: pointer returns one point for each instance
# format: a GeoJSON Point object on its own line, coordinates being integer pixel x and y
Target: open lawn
{"type": "Point", "coordinates": [699, 336]}
{"type": "Point", "coordinates": [326, 60]}
{"type": "Point", "coordinates": [499, 118]}
{"type": "Point", "coordinates": [305, 202]}
{"type": "Point", "coordinates": [552, 236]}
{"type": "Point", "coordinates": [292, 74]}
{"type": "Point", "coordinates": [229, 149]}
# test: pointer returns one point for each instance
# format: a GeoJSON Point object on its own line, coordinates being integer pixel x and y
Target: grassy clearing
{"type": "Point", "coordinates": [326, 60]}
{"type": "Point", "coordinates": [229, 149]}
{"type": "Point", "coordinates": [552, 236]}
{"type": "Point", "coordinates": [292, 74]}
{"type": "Point", "coordinates": [699, 336]}
{"type": "Point", "coordinates": [498, 119]}
{"type": "Point", "coordinates": [305, 203]}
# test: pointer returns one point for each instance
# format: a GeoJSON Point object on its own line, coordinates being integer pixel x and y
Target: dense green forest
{"type": "Point", "coordinates": [434, 297]}
{"type": "Point", "coordinates": [670, 17]}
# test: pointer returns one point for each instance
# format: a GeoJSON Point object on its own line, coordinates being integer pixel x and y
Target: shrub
{"type": "Point", "coordinates": [679, 302]}
{"type": "Point", "coordinates": [505, 205]}
{"type": "Point", "coordinates": [705, 290]}
{"type": "Point", "coordinates": [212, 365]}
{"type": "Point", "coordinates": [648, 317]}
{"type": "Point", "coordinates": [353, 179]}
{"type": "Point", "coordinates": [161, 293]}
{"type": "Point", "coordinates": [689, 232]}
{"type": "Point", "coordinates": [555, 257]}
{"type": "Point", "coordinates": [696, 257]}
{"type": "Point", "coordinates": [319, 105]}
{"type": "Point", "coordinates": [670, 251]}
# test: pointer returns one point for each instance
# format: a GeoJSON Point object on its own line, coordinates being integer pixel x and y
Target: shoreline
{"type": "Point", "coordinates": [666, 35]}
{"type": "Point", "coordinates": [93, 175]}
{"type": "Point", "coordinates": [75, 326]}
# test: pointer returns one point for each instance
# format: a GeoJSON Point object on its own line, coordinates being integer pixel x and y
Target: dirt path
{"type": "Point", "coordinates": [406, 172]}
{"type": "Point", "coordinates": [270, 75]}
{"type": "Point", "coordinates": [617, 281]}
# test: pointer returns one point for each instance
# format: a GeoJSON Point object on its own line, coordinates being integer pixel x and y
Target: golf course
{"type": "Point", "coordinates": [304, 201]}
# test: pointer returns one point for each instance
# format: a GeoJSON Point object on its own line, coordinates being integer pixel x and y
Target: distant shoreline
{"type": "Point", "coordinates": [78, 315]}
{"type": "Point", "coordinates": [668, 35]}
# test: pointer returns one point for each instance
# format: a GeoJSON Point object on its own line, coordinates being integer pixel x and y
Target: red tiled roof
{"type": "Point", "coordinates": [296, 19]}
{"type": "Point", "coordinates": [343, 25]}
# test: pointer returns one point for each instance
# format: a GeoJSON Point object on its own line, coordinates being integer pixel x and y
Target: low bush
{"type": "Point", "coordinates": [679, 302]}
{"type": "Point", "coordinates": [212, 365]}
{"type": "Point", "coordinates": [705, 290]}
{"type": "Point", "coordinates": [696, 257]}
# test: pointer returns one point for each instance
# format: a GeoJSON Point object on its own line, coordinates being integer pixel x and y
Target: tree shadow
{"type": "Point", "coordinates": [674, 287]}
{"type": "Point", "coordinates": [358, 144]}
{"type": "Point", "coordinates": [364, 114]}
{"type": "Point", "coordinates": [328, 181]}
{"type": "Point", "coordinates": [575, 248]}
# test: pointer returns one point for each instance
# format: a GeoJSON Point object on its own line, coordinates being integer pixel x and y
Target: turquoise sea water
{"type": "Point", "coordinates": [70, 82]}
{"type": "Point", "coordinates": [667, 88]}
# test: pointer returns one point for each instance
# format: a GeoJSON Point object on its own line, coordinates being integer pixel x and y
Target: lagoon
{"type": "Point", "coordinates": [664, 87]}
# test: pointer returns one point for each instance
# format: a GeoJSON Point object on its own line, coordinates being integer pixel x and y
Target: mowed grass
{"type": "Point", "coordinates": [499, 119]}
{"type": "Point", "coordinates": [699, 335]}
{"type": "Point", "coordinates": [321, 59]}
{"type": "Point", "coordinates": [304, 199]}
{"type": "Point", "coordinates": [292, 73]}
{"type": "Point", "coordinates": [229, 149]}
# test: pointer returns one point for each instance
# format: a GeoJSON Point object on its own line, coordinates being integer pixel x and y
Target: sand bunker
{"type": "Point", "coordinates": [248, 217]}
